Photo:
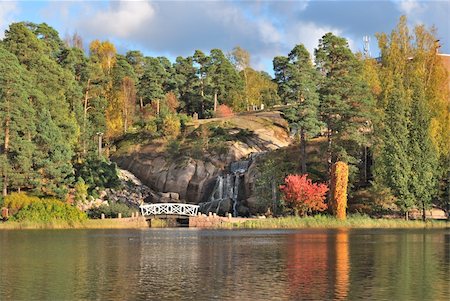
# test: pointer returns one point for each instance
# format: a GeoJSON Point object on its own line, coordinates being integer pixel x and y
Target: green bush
{"type": "Point", "coordinates": [173, 148]}
{"type": "Point", "coordinates": [18, 200]}
{"type": "Point", "coordinates": [171, 126]}
{"type": "Point", "coordinates": [97, 173]}
{"type": "Point", "coordinates": [111, 210]}
{"type": "Point", "coordinates": [81, 191]}
{"type": "Point", "coordinates": [184, 120]}
{"type": "Point", "coordinates": [49, 210]}
{"type": "Point", "coordinates": [151, 125]}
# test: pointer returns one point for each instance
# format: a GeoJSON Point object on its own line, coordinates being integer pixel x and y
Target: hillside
{"type": "Point", "coordinates": [187, 168]}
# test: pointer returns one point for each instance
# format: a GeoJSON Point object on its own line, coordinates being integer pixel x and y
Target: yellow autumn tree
{"type": "Point", "coordinates": [105, 52]}
{"type": "Point", "coordinates": [339, 183]}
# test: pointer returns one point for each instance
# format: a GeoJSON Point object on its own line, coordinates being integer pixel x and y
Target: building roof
{"type": "Point", "coordinates": [446, 61]}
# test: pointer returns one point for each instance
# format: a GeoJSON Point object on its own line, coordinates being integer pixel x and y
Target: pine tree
{"type": "Point", "coordinates": [17, 117]}
{"type": "Point", "coordinates": [303, 81]}
{"type": "Point", "coordinates": [54, 93]}
{"type": "Point", "coordinates": [188, 85]}
{"type": "Point", "coordinates": [345, 99]}
{"type": "Point", "coordinates": [226, 86]}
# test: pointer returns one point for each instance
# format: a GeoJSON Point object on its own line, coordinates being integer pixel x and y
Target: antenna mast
{"type": "Point", "coordinates": [366, 46]}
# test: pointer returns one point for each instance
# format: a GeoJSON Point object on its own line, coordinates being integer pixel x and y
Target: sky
{"type": "Point", "coordinates": [264, 28]}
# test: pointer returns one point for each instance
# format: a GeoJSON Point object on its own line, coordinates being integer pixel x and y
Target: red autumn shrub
{"type": "Point", "coordinates": [223, 111]}
{"type": "Point", "coordinates": [304, 196]}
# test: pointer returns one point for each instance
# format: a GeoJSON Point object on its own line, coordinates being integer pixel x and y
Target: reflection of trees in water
{"type": "Point", "coordinates": [342, 264]}
{"type": "Point", "coordinates": [400, 265]}
{"type": "Point", "coordinates": [209, 265]}
{"type": "Point", "coordinates": [307, 266]}
{"type": "Point", "coordinates": [225, 265]}
{"type": "Point", "coordinates": [317, 265]}
{"type": "Point", "coordinates": [61, 265]}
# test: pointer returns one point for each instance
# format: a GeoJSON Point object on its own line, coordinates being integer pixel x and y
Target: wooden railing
{"type": "Point", "coordinates": [169, 209]}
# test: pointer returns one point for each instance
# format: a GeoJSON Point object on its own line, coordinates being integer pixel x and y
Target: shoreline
{"type": "Point", "coordinates": [317, 222]}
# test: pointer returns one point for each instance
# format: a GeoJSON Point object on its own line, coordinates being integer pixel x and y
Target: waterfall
{"type": "Point", "coordinates": [227, 188]}
{"type": "Point", "coordinates": [235, 194]}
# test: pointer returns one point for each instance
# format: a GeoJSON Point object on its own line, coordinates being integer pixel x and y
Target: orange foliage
{"type": "Point", "coordinates": [224, 111]}
{"type": "Point", "coordinates": [307, 266]}
{"type": "Point", "coordinates": [339, 183]}
{"type": "Point", "coordinates": [172, 102]}
{"type": "Point", "coordinates": [342, 265]}
{"type": "Point", "coordinates": [303, 195]}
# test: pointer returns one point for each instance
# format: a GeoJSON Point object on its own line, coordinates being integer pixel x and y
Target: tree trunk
{"type": "Point", "coordinates": [274, 197]}
{"type": "Point", "coordinates": [424, 212]}
{"type": "Point", "coordinates": [86, 101]}
{"type": "Point", "coordinates": [202, 93]}
{"type": "Point", "coordinates": [407, 215]}
{"type": "Point", "coordinates": [6, 148]}
{"type": "Point", "coordinates": [329, 160]}
{"type": "Point", "coordinates": [157, 107]}
{"type": "Point", "coordinates": [246, 89]}
{"type": "Point", "coordinates": [125, 108]}
{"type": "Point", "coordinates": [7, 123]}
{"type": "Point", "coordinates": [141, 103]}
{"type": "Point", "coordinates": [329, 152]}
{"type": "Point", "coordinates": [5, 184]}
{"type": "Point", "coordinates": [215, 101]}
{"type": "Point", "coordinates": [303, 150]}
{"type": "Point", "coordinates": [100, 144]}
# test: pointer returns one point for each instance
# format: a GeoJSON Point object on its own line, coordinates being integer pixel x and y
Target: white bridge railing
{"type": "Point", "coordinates": [169, 209]}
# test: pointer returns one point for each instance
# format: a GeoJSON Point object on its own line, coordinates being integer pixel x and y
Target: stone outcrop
{"type": "Point", "coordinates": [193, 180]}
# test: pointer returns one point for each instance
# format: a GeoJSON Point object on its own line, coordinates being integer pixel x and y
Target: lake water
{"type": "Point", "coordinates": [188, 264]}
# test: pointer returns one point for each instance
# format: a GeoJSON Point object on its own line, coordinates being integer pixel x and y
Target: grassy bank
{"type": "Point", "coordinates": [322, 221]}
{"type": "Point", "coordinates": [291, 222]}
{"type": "Point", "coordinates": [116, 223]}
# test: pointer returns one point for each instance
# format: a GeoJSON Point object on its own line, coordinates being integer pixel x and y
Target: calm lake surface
{"type": "Point", "coordinates": [187, 264]}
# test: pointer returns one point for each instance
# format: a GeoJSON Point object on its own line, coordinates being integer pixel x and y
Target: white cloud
{"type": "Point", "coordinates": [121, 19]}
{"type": "Point", "coordinates": [308, 34]}
{"type": "Point", "coordinates": [268, 32]}
{"type": "Point", "coordinates": [8, 10]}
{"type": "Point", "coordinates": [410, 6]}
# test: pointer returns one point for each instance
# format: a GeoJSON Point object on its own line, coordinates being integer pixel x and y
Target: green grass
{"type": "Point", "coordinates": [115, 223]}
{"type": "Point", "coordinates": [159, 223]}
{"type": "Point", "coordinates": [324, 221]}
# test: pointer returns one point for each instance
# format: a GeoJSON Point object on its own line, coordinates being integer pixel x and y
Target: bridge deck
{"type": "Point", "coordinates": [169, 209]}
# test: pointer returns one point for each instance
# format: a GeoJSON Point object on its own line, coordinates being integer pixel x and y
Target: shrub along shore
{"type": "Point", "coordinates": [291, 222]}
{"type": "Point", "coordinates": [109, 223]}
{"type": "Point", "coordinates": [325, 221]}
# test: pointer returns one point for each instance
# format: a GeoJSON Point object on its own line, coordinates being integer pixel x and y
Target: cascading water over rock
{"type": "Point", "coordinates": [228, 191]}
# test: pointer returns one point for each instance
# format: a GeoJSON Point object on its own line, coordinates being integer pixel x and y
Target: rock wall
{"type": "Point", "coordinates": [193, 179]}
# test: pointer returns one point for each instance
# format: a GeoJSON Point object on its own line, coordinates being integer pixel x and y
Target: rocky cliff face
{"type": "Point", "coordinates": [194, 180]}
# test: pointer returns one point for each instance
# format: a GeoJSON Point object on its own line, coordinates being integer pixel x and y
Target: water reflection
{"type": "Point", "coordinates": [184, 264]}
{"type": "Point", "coordinates": [342, 264]}
{"type": "Point", "coordinates": [307, 265]}
{"type": "Point", "coordinates": [318, 265]}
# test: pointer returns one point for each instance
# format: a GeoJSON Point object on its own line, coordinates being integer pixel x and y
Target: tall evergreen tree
{"type": "Point", "coordinates": [187, 85]}
{"type": "Point", "coordinates": [281, 71]}
{"type": "Point", "coordinates": [202, 62]}
{"type": "Point", "coordinates": [393, 166]}
{"type": "Point", "coordinates": [304, 82]}
{"type": "Point", "coordinates": [55, 92]}
{"type": "Point", "coordinates": [299, 81]}
{"type": "Point", "coordinates": [226, 85]}
{"type": "Point", "coordinates": [345, 99]}
{"type": "Point", "coordinates": [17, 124]}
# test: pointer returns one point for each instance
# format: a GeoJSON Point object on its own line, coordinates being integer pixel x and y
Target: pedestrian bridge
{"type": "Point", "coordinates": [169, 209]}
